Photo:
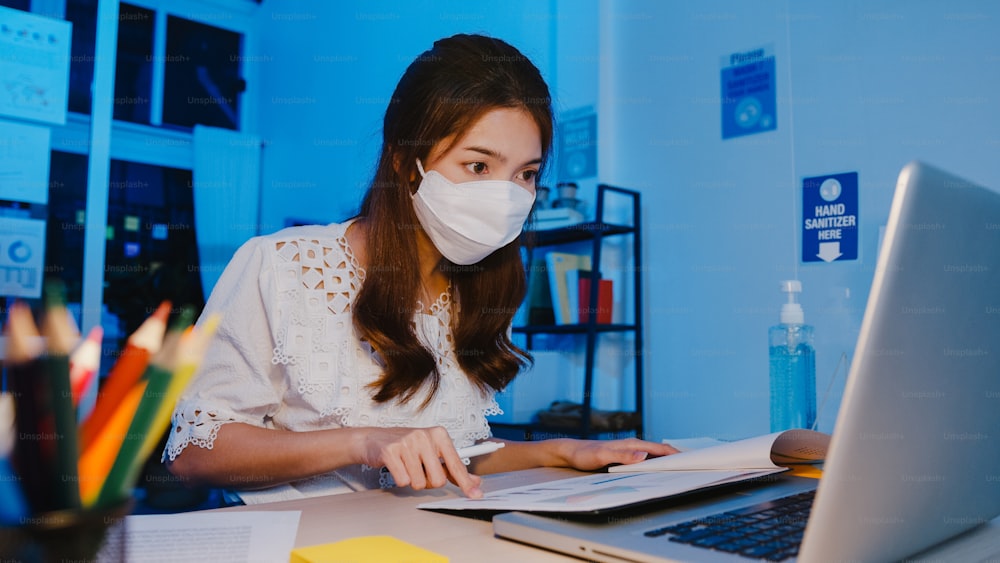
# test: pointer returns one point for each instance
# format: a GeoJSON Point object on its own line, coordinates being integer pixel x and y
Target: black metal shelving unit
{"type": "Point", "coordinates": [596, 232]}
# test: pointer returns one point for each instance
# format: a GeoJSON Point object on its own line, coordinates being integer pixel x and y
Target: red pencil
{"type": "Point", "coordinates": [139, 348]}
{"type": "Point", "coordinates": [85, 362]}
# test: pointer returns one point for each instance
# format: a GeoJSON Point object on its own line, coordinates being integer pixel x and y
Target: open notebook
{"type": "Point", "coordinates": [723, 463]}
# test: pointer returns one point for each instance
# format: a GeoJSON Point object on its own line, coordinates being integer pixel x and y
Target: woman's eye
{"type": "Point", "coordinates": [529, 175]}
{"type": "Point", "coordinates": [477, 168]}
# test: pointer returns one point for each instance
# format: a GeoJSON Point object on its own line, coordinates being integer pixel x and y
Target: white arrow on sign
{"type": "Point", "coordinates": [829, 251]}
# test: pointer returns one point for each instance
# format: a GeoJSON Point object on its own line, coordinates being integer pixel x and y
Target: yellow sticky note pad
{"type": "Point", "coordinates": [366, 548]}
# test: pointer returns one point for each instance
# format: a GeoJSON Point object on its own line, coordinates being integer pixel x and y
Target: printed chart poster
{"type": "Point", "coordinates": [749, 102]}
{"type": "Point", "coordinates": [830, 218]}
{"type": "Point", "coordinates": [34, 68]}
{"type": "Point", "coordinates": [22, 257]}
{"type": "Point", "coordinates": [24, 162]}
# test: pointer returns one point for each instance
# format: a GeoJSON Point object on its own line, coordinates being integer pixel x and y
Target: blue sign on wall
{"type": "Point", "coordinates": [578, 148]}
{"type": "Point", "coordinates": [830, 218]}
{"type": "Point", "coordinates": [748, 93]}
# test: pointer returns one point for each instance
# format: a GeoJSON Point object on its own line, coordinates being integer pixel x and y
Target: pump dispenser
{"type": "Point", "coordinates": [792, 366]}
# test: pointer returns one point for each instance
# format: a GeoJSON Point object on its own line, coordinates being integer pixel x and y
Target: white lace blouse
{"type": "Point", "coordinates": [286, 356]}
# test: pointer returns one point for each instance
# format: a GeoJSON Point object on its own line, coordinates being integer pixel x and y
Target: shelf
{"type": "Point", "coordinates": [581, 328]}
{"type": "Point", "coordinates": [594, 234]}
{"type": "Point", "coordinates": [535, 430]}
{"type": "Point", "coordinates": [574, 233]}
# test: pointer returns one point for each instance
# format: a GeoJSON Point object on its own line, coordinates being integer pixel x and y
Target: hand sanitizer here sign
{"type": "Point", "coordinates": [830, 218]}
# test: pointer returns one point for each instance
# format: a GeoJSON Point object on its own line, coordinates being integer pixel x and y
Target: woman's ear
{"type": "Point", "coordinates": [399, 166]}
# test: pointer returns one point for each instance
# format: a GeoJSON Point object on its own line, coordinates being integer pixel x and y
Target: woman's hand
{"type": "Point", "coordinates": [588, 455]}
{"type": "Point", "coordinates": [419, 458]}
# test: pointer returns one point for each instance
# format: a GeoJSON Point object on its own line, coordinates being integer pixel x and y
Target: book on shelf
{"type": "Point", "coordinates": [558, 265]}
{"type": "Point", "coordinates": [579, 293]}
{"type": "Point", "coordinates": [538, 300]}
{"type": "Point", "coordinates": [656, 478]}
{"type": "Point", "coordinates": [545, 219]}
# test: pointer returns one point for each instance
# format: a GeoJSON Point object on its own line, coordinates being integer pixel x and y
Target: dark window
{"type": "Point", "coordinates": [134, 69]}
{"type": "Point", "coordinates": [202, 78]}
{"type": "Point", "coordinates": [64, 233]}
{"type": "Point", "coordinates": [23, 5]}
{"type": "Point", "coordinates": [83, 15]}
{"type": "Point", "coordinates": [151, 248]}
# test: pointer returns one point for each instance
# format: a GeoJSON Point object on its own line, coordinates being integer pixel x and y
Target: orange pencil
{"type": "Point", "coordinates": [128, 460]}
{"type": "Point", "coordinates": [191, 350]}
{"type": "Point", "coordinates": [96, 461]}
{"type": "Point", "coordinates": [139, 348]}
{"type": "Point", "coordinates": [85, 362]}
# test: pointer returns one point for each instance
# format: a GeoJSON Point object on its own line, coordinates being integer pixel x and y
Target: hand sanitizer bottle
{"type": "Point", "coordinates": [793, 366]}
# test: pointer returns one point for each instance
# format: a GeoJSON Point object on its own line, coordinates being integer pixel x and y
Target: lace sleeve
{"type": "Point", "coordinates": [192, 425]}
{"type": "Point", "coordinates": [236, 382]}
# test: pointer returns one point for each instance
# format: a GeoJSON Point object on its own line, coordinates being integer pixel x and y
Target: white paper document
{"type": "Point", "coordinates": [24, 162]}
{"type": "Point", "coordinates": [760, 452]}
{"type": "Point", "coordinates": [702, 464]}
{"type": "Point", "coordinates": [34, 65]}
{"type": "Point", "coordinates": [598, 491]}
{"type": "Point", "coordinates": [216, 537]}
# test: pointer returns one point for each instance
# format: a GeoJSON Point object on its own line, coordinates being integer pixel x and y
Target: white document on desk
{"type": "Point", "coordinates": [758, 452]}
{"type": "Point", "coordinates": [216, 537]}
{"type": "Point", "coordinates": [599, 491]}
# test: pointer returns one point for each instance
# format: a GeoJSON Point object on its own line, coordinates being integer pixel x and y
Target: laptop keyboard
{"type": "Point", "coordinates": [770, 530]}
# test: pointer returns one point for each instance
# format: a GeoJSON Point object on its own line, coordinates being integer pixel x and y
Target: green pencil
{"type": "Point", "coordinates": [128, 463]}
{"type": "Point", "coordinates": [61, 337]}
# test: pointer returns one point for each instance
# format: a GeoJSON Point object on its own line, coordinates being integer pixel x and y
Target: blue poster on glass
{"type": "Point", "coordinates": [830, 218]}
{"type": "Point", "coordinates": [748, 93]}
{"type": "Point", "coordinates": [578, 147]}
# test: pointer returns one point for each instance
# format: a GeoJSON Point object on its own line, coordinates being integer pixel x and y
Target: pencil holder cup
{"type": "Point", "coordinates": [68, 535]}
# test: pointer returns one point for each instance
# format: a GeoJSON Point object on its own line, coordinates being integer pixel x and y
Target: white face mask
{"type": "Point", "coordinates": [470, 220]}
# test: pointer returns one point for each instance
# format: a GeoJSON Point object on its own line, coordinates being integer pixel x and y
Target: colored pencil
{"type": "Point", "coordinates": [189, 354]}
{"type": "Point", "coordinates": [96, 461]}
{"type": "Point", "coordinates": [131, 363]}
{"type": "Point", "coordinates": [61, 336]}
{"type": "Point", "coordinates": [85, 362]}
{"type": "Point", "coordinates": [26, 382]}
{"type": "Point", "coordinates": [129, 461]}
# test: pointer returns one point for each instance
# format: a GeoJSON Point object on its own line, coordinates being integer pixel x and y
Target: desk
{"type": "Point", "coordinates": [393, 512]}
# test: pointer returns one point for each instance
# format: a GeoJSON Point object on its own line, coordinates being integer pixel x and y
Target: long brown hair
{"type": "Point", "coordinates": [443, 92]}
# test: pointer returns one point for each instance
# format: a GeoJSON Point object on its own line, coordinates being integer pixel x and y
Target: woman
{"type": "Point", "coordinates": [353, 352]}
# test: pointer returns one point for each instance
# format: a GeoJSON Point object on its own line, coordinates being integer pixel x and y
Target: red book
{"type": "Point", "coordinates": [604, 300]}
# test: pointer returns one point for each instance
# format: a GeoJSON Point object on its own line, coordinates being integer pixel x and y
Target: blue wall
{"type": "Point", "coordinates": [861, 86]}
{"type": "Point", "coordinates": [327, 70]}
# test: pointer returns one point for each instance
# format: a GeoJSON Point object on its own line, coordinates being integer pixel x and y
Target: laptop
{"type": "Point", "coordinates": [914, 457]}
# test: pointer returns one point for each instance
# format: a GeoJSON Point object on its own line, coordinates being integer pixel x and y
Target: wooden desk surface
{"type": "Point", "coordinates": [394, 512]}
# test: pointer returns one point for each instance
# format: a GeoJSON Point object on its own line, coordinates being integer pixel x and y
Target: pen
{"type": "Point", "coordinates": [478, 449]}
{"type": "Point", "coordinates": [472, 451]}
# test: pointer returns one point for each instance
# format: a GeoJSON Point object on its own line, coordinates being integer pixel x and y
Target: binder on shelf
{"type": "Point", "coordinates": [605, 296]}
{"type": "Point", "coordinates": [539, 298]}
{"type": "Point", "coordinates": [559, 264]}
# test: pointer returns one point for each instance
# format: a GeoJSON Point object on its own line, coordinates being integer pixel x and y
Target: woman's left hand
{"type": "Point", "coordinates": [588, 455]}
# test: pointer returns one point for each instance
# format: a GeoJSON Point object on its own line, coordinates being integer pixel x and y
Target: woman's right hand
{"type": "Point", "coordinates": [419, 458]}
